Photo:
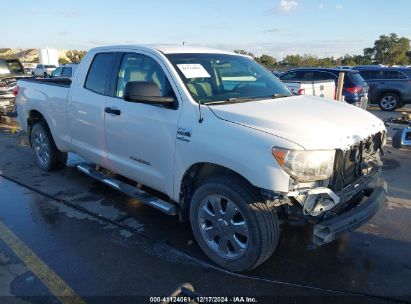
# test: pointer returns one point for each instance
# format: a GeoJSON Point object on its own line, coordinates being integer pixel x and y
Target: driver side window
{"type": "Point", "coordinates": [135, 67]}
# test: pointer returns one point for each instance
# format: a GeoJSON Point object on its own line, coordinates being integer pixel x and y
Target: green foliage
{"type": "Point", "coordinates": [243, 52]}
{"type": "Point", "coordinates": [75, 56]}
{"type": "Point", "coordinates": [267, 61]}
{"type": "Point", "coordinates": [63, 61]}
{"type": "Point", "coordinates": [389, 50]}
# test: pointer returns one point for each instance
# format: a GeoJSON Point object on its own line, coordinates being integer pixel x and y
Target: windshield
{"type": "Point", "coordinates": [226, 78]}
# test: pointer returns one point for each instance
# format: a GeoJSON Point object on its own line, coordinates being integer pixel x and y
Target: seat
{"type": "Point", "coordinates": [131, 73]}
{"type": "Point", "coordinates": [200, 87]}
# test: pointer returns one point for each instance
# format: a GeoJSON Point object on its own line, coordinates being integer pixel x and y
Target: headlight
{"type": "Point", "coordinates": [306, 165]}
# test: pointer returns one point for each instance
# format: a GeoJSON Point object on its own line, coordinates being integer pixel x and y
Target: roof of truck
{"type": "Point", "coordinates": [168, 48]}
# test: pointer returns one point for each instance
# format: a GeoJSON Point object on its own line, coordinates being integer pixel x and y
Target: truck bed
{"type": "Point", "coordinates": [65, 82]}
{"type": "Point", "coordinates": [48, 97]}
{"type": "Point", "coordinates": [321, 88]}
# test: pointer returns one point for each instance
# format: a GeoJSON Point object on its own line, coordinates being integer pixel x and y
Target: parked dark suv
{"type": "Point", "coordinates": [354, 87]}
{"type": "Point", "coordinates": [10, 71]}
{"type": "Point", "coordinates": [390, 88]}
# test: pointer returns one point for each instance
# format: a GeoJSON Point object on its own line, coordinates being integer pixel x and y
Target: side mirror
{"type": "Point", "coordinates": [145, 92]}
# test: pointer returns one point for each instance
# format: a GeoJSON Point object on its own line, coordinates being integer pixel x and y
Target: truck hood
{"type": "Point", "coordinates": [311, 122]}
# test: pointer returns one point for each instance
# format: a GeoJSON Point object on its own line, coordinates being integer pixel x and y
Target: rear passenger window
{"type": "Point", "coordinates": [369, 75]}
{"type": "Point", "coordinates": [393, 75]}
{"type": "Point", "coordinates": [289, 76]}
{"type": "Point", "coordinates": [98, 72]}
{"type": "Point", "coordinates": [308, 76]}
{"type": "Point", "coordinates": [324, 76]}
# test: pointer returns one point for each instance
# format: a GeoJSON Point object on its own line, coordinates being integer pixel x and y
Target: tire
{"type": "Point", "coordinates": [389, 101]}
{"type": "Point", "coordinates": [45, 75]}
{"type": "Point", "coordinates": [48, 157]}
{"type": "Point", "coordinates": [251, 234]}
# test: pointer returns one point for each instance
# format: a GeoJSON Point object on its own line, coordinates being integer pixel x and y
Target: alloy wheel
{"type": "Point", "coordinates": [223, 226]}
{"type": "Point", "coordinates": [41, 147]}
{"type": "Point", "coordinates": [389, 102]}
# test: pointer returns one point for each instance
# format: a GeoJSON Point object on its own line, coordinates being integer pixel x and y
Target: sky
{"type": "Point", "coordinates": [275, 27]}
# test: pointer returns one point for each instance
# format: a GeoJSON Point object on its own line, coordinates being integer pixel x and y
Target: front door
{"type": "Point", "coordinates": [141, 137]}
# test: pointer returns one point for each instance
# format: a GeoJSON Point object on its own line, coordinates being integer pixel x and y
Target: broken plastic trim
{"type": "Point", "coordinates": [329, 230]}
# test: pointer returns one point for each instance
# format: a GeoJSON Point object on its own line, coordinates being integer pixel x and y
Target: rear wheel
{"type": "Point", "coordinates": [232, 224]}
{"type": "Point", "coordinates": [48, 157]}
{"type": "Point", "coordinates": [389, 102]}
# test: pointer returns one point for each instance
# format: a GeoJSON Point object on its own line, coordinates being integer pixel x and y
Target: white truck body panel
{"type": "Point", "coordinates": [324, 88]}
{"type": "Point", "coordinates": [315, 120]}
{"type": "Point", "coordinates": [236, 136]}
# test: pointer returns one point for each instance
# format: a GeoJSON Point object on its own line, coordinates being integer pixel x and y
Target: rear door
{"type": "Point", "coordinates": [141, 137]}
{"type": "Point", "coordinates": [373, 78]}
{"type": "Point", "coordinates": [86, 111]}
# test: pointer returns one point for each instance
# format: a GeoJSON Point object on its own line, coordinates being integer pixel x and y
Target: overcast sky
{"type": "Point", "coordinates": [276, 27]}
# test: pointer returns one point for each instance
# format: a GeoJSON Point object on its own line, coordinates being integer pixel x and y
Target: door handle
{"type": "Point", "coordinates": [112, 111]}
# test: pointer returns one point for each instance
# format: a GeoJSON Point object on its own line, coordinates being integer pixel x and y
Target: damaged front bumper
{"type": "Point", "coordinates": [345, 221]}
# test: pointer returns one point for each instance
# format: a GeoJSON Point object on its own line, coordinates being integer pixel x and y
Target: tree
{"type": "Point", "coordinates": [353, 60]}
{"type": "Point", "coordinates": [310, 61]}
{"type": "Point", "coordinates": [348, 60]}
{"type": "Point", "coordinates": [389, 50]}
{"type": "Point", "coordinates": [63, 60]}
{"type": "Point", "coordinates": [244, 52]}
{"type": "Point", "coordinates": [267, 61]}
{"type": "Point", "coordinates": [292, 60]}
{"type": "Point", "coordinates": [75, 56]}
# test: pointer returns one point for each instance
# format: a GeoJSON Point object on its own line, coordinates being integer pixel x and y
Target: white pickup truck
{"type": "Point", "coordinates": [223, 141]}
{"type": "Point", "coordinates": [43, 70]}
{"type": "Point", "coordinates": [321, 88]}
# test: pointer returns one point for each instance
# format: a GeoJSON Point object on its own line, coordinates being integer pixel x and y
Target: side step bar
{"type": "Point", "coordinates": [129, 190]}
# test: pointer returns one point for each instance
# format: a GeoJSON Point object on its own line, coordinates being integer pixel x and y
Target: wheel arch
{"type": "Point", "coordinates": [193, 177]}
{"type": "Point", "coordinates": [33, 117]}
{"type": "Point", "coordinates": [383, 92]}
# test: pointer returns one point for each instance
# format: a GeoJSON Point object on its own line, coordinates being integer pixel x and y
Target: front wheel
{"type": "Point", "coordinates": [233, 226]}
{"type": "Point", "coordinates": [389, 102]}
{"type": "Point", "coordinates": [48, 157]}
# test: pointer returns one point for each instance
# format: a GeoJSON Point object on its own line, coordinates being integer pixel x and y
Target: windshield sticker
{"type": "Point", "coordinates": [193, 70]}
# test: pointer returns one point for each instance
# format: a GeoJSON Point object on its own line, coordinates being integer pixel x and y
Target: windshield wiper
{"type": "Point", "coordinates": [239, 99]}
{"type": "Point", "coordinates": [280, 96]}
{"type": "Point", "coordinates": [229, 100]}
{"type": "Point", "coordinates": [244, 99]}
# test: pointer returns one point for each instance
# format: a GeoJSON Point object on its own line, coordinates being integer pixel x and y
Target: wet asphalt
{"type": "Point", "coordinates": [112, 249]}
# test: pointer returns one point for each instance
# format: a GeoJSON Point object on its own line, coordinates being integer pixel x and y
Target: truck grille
{"type": "Point", "coordinates": [349, 165]}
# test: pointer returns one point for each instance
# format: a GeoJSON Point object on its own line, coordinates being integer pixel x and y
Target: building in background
{"type": "Point", "coordinates": [48, 56]}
